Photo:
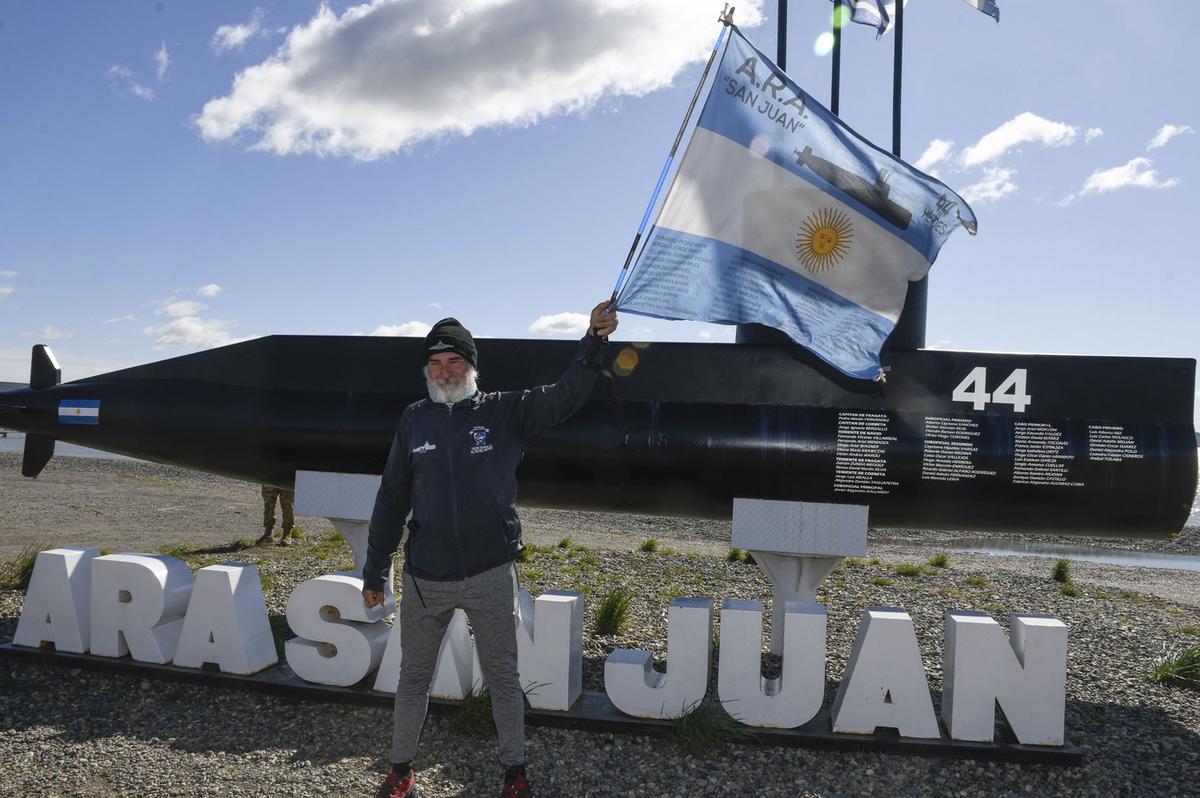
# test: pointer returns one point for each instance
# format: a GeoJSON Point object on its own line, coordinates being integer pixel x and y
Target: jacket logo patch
{"type": "Point", "coordinates": [426, 447]}
{"type": "Point", "coordinates": [481, 437]}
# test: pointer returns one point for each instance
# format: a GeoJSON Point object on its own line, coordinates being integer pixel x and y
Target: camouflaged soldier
{"type": "Point", "coordinates": [286, 498]}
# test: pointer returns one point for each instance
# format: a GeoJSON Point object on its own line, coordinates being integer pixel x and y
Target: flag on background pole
{"type": "Point", "coordinates": [876, 13]}
{"type": "Point", "coordinates": [988, 7]}
{"type": "Point", "coordinates": [780, 214]}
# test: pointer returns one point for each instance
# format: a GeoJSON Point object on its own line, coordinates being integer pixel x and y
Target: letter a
{"type": "Point", "coordinates": [56, 603]}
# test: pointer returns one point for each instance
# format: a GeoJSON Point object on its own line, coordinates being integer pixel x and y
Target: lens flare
{"type": "Point", "coordinates": [824, 44]}
{"type": "Point", "coordinates": [626, 362]}
{"type": "Point", "coordinates": [760, 145]}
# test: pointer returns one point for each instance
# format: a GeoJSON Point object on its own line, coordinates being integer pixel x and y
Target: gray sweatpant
{"type": "Point", "coordinates": [490, 601]}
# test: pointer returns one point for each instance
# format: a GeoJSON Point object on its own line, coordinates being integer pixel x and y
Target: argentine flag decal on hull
{"type": "Point", "coordinates": [79, 411]}
{"type": "Point", "coordinates": [779, 214]}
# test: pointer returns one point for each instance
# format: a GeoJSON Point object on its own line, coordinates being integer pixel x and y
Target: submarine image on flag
{"type": "Point", "coordinates": [953, 440]}
{"type": "Point", "coordinates": [873, 195]}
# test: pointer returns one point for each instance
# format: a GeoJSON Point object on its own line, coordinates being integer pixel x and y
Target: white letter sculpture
{"type": "Point", "coordinates": [794, 697]}
{"type": "Point", "coordinates": [885, 682]}
{"type": "Point", "coordinates": [138, 603]}
{"type": "Point", "coordinates": [339, 641]}
{"type": "Point", "coordinates": [56, 603]}
{"type": "Point", "coordinates": [226, 622]}
{"type": "Point", "coordinates": [1028, 678]}
{"type": "Point", "coordinates": [550, 648]}
{"type": "Point", "coordinates": [637, 689]}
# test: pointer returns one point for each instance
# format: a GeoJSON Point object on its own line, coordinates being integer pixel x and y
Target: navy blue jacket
{"type": "Point", "coordinates": [455, 469]}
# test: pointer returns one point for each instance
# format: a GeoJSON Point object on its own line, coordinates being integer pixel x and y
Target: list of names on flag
{"type": "Point", "coordinates": [1040, 456]}
{"type": "Point", "coordinates": [951, 444]}
{"type": "Point", "coordinates": [1110, 444]}
{"type": "Point", "coordinates": [861, 459]}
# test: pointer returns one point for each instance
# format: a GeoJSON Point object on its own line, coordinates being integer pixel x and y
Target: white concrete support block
{"type": "Point", "coordinates": [453, 672]}
{"type": "Point", "coordinates": [550, 648]}
{"type": "Point", "coordinates": [794, 580]}
{"type": "Point", "coordinates": [637, 689]}
{"type": "Point", "coordinates": [797, 545]}
{"type": "Point", "coordinates": [334, 495]}
{"type": "Point", "coordinates": [347, 500]}
{"type": "Point", "coordinates": [885, 683]}
{"type": "Point", "coordinates": [356, 534]}
{"type": "Point", "coordinates": [226, 622]}
{"type": "Point", "coordinates": [1026, 676]}
{"type": "Point", "coordinates": [138, 603]}
{"type": "Point", "coordinates": [789, 700]}
{"type": "Point", "coordinates": [56, 604]}
{"type": "Point", "coordinates": [339, 641]}
{"type": "Point", "coordinates": [813, 528]}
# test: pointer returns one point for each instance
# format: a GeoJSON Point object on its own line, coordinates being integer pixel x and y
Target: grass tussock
{"type": "Point", "coordinates": [15, 573]}
{"type": "Point", "coordinates": [613, 612]}
{"type": "Point", "coordinates": [883, 581]}
{"type": "Point", "coordinates": [737, 555]}
{"type": "Point", "coordinates": [474, 716]}
{"type": "Point", "coordinates": [1061, 572]}
{"type": "Point", "coordinates": [1179, 667]}
{"type": "Point", "coordinates": [976, 581]}
{"type": "Point", "coordinates": [1070, 590]}
{"type": "Point", "coordinates": [649, 546]}
{"type": "Point", "coordinates": [941, 560]}
{"type": "Point", "coordinates": [565, 543]}
{"type": "Point", "coordinates": [704, 730]}
{"type": "Point", "coordinates": [909, 570]}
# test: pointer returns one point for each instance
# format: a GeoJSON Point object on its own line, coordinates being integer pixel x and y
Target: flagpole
{"type": "Point", "coordinates": [781, 37]}
{"type": "Point", "coordinates": [835, 88]}
{"type": "Point", "coordinates": [726, 20]}
{"type": "Point", "coordinates": [910, 327]}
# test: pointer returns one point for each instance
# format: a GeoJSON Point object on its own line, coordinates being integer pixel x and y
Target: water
{"type": "Point", "coordinates": [1015, 546]}
{"type": "Point", "coordinates": [15, 443]}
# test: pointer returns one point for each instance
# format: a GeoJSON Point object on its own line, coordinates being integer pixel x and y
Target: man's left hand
{"type": "Point", "coordinates": [604, 321]}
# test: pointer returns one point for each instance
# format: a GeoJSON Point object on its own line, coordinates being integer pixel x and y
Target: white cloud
{"type": "Point", "coordinates": [1166, 133]}
{"type": "Point", "coordinates": [210, 290]}
{"type": "Point", "coordinates": [115, 319]}
{"type": "Point", "coordinates": [1024, 128]}
{"type": "Point", "coordinates": [436, 305]}
{"type": "Point", "coordinates": [1135, 174]}
{"type": "Point", "coordinates": [162, 61]}
{"type": "Point", "coordinates": [997, 183]}
{"type": "Point", "coordinates": [193, 333]}
{"type": "Point", "coordinates": [934, 154]}
{"type": "Point", "coordinates": [181, 309]}
{"type": "Point", "coordinates": [560, 324]}
{"type": "Point", "coordinates": [123, 77]}
{"type": "Point", "coordinates": [8, 273]}
{"type": "Point", "coordinates": [415, 329]}
{"type": "Point", "coordinates": [5, 290]}
{"type": "Point", "coordinates": [387, 74]}
{"type": "Point", "coordinates": [52, 333]}
{"type": "Point", "coordinates": [234, 37]}
{"type": "Point", "coordinates": [1091, 134]}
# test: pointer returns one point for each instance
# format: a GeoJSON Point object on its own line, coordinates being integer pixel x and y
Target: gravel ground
{"type": "Point", "coordinates": [65, 732]}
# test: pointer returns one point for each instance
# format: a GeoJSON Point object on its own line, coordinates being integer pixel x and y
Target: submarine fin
{"type": "Point", "coordinates": [44, 371]}
{"type": "Point", "coordinates": [38, 451]}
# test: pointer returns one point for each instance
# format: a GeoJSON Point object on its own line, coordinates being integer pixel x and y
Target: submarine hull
{"type": "Point", "coordinates": [952, 440]}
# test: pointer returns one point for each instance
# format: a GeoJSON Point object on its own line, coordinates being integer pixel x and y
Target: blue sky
{"type": "Point", "coordinates": [175, 176]}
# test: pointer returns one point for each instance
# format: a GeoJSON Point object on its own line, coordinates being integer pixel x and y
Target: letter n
{"type": "Point", "coordinates": [1026, 677]}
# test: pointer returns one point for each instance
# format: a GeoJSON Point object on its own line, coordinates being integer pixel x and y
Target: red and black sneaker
{"type": "Point", "coordinates": [400, 786]}
{"type": "Point", "coordinates": [515, 783]}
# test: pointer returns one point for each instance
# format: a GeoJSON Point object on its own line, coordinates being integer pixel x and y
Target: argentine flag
{"type": "Point", "coordinates": [79, 411]}
{"type": "Point", "coordinates": [779, 214]}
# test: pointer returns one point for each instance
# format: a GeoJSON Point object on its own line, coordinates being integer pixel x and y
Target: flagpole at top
{"type": "Point", "coordinates": [726, 20]}
{"type": "Point", "coordinates": [910, 326]}
{"type": "Point", "coordinates": [835, 80]}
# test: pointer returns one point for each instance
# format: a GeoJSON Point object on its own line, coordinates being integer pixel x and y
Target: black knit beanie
{"type": "Point", "coordinates": [448, 335]}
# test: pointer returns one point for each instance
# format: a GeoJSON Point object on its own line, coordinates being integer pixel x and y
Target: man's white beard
{"type": "Point", "coordinates": [451, 390]}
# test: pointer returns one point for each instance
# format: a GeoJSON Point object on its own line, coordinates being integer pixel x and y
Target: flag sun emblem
{"type": "Point", "coordinates": [823, 239]}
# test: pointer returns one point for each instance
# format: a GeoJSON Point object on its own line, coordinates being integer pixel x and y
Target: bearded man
{"type": "Point", "coordinates": [453, 466]}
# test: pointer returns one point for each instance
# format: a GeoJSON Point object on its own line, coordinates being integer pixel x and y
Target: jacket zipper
{"type": "Point", "coordinates": [462, 560]}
